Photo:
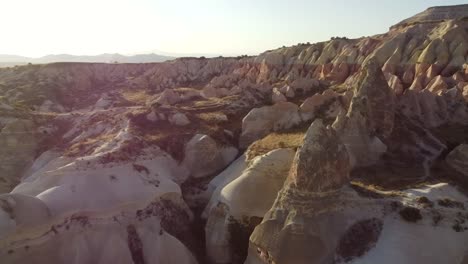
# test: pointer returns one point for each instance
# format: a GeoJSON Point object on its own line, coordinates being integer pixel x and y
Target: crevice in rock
{"type": "Point", "coordinates": [135, 245]}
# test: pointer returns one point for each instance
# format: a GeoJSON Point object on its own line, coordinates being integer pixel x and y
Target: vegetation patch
{"type": "Point", "coordinates": [447, 202]}
{"type": "Point", "coordinates": [410, 214]}
{"type": "Point", "coordinates": [358, 239]}
{"type": "Point", "coordinates": [424, 201]}
{"type": "Point", "coordinates": [274, 141]}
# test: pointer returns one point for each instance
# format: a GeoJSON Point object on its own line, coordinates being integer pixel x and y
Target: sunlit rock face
{"type": "Point", "coordinates": [291, 231]}
{"type": "Point", "coordinates": [124, 163]}
{"type": "Point", "coordinates": [458, 159]}
{"type": "Point", "coordinates": [322, 220]}
{"type": "Point", "coordinates": [100, 207]}
{"type": "Point", "coordinates": [322, 163]}
{"type": "Point", "coordinates": [370, 118]}
{"type": "Point", "coordinates": [259, 122]}
{"type": "Point", "coordinates": [238, 207]}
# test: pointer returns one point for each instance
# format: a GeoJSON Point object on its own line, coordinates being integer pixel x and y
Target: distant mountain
{"type": "Point", "coordinates": [11, 60]}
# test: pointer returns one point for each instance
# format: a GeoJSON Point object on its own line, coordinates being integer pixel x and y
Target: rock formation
{"type": "Point", "coordinates": [458, 159]}
{"type": "Point", "coordinates": [239, 202]}
{"type": "Point", "coordinates": [203, 156]}
{"type": "Point", "coordinates": [124, 163]}
{"type": "Point", "coordinates": [370, 118]}
{"type": "Point", "coordinates": [261, 121]}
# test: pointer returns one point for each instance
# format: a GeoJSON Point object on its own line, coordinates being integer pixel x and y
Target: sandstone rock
{"type": "Point", "coordinates": [261, 121]}
{"type": "Point", "coordinates": [437, 85]}
{"type": "Point", "coordinates": [168, 97]}
{"type": "Point", "coordinates": [204, 157]}
{"type": "Point", "coordinates": [21, 211]}
{"type": "Point", "coordinates": [277, 96]}
{"type": "Point", "coordinates": [288, 91]}
{"type": "Point", "coordinates": [19, 139]}
{"type": "Point", "coordinates": [152, 116]}
{"type": "Point", "coordinates": [435, 14]}
{"type": "Point", "coordinates": [310, 107]}
{"type": "Point", "coordinates": [209, 92]}
{"type": "Point", "coordinates": [465, 92]}
{"type": "Point", "coordinates": [239, 200]}
{"type": "Point", "coordinates": [322, 163]}
{"type": "Point", "coordinates": [304, 85]}
{"type": "Point", "coordinates": [458, 159]}
{"type": "Point", "coordinates": [235, 90]}
{"type": "Point", "coordinates": [394, 83]}
{"type": "Point", "coordinates": [435, 110]}
{"type": "Point", "coordinates": [370, 118]}
{"type": "Point", "coordinates": [103, 103]}
{"type": "Point", "coordinates": [265, 174]}
{"type": "Point", "coordinates": [179, 119]}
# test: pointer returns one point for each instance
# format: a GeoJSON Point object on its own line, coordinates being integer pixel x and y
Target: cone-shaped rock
{"type": "Point", "coordinates": [322, 163]}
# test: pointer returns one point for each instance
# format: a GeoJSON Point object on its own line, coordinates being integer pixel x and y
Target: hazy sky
{"type": "Point", "coordinates": [229, 27]}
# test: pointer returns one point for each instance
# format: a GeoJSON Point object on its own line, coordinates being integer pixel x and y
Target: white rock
{"type": "Point", "coordinates": [179, 119]}
{"type": "Point", "coordinates": [277, 96]}
{"type": "Point", "coordinates": [204, 157]}
{"type": "Point", "coordinates": [261, 121]}
{"type": "Point", "coordinates": [152, 116]}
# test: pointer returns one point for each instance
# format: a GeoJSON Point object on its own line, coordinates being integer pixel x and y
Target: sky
{"type": "Point", "coordinates": [219, 27]}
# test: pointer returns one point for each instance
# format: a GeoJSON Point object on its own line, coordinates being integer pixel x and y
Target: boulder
{"type": "Point", "coordinates": [168, 97]}
{"type": "Point", "coordinates": [458, 159]}
{"type": "Point", "coordinates": [437, 85]}
{"type": "Point", "coordinates": [179, 119]}
{"type": "Point", "coordinates": [203, 157]}
{"type": "Point", "coordinates": [288, 91]}
{"type": "Point", "coordinates": [21, 211]}
{"type": "Point", "coordinates": [277, 96]}
{"type": "Point", "coordinates": [259, 122]}
{"type": "Point", "coordinates": [291, 231]}
{"type": "Point", "coordinates": [394, 83]}
{"type": "Point", "coordinates": [239, 202]}
{"type": "Point", "coordinates": [304, 85]}
{"type": "Point", "coordinates": [322, 163]}
{"type": "Point", "coordinates": [324, 103]}
{"type": "Point", "coordinates": [370, 118]}
{"type": "Point", "coordinates": [317, 218]}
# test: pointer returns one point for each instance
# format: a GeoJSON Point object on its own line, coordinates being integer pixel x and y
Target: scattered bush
{"type": "Point", "coordinates": [447, 202]}
{"type": "Point", "coordinates": [410, 214]}
{"type": "Point", "coordinates": [358, 239]}
{"type": "Point", "coordinates": [425, 201]}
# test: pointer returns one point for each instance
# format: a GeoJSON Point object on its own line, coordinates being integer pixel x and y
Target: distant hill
{"type": "Point", "coordinates": [11, 60]}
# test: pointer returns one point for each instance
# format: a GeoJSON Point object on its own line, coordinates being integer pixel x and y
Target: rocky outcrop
{"type": "Point", "coordinates": [71, 208]}
{"type": "Point", "coordinates": [179, 119]}
{"type": "Point", "coordinates": [277, 96]}
{"type": "Point", "coordinates": [436, 14]}
{"type": "Point", "coordinates": [320, 168]}
{"type": "Point", "coordinates": [323, 105]}
{"type": "Point", "coordinates": [261, 121]}
{"type": "Point", "coordinates": [20, 140]}
{"type": "Point", "coordinates": [203, 156]}
{"type": "Point", "coordinates": [317, 218]}
{"type": "Point", "coordinates": [458, 159]}
{"type": "Point", "coordinates": [433, 110]}
{"type": "Point", "coordinates": [238, 204]}
{"type": "Point", "coordinates": [107, 187]}
{"type": "Point", "coordinates": [322, 163]}
{"type": "Point", "coordinates": [370, 118]}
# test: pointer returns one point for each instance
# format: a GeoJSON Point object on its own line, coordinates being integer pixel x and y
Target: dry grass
{"type": "Point", "coordinates": [212, 117]}
{"type": "Point", "coordinates": [273, 141]}
{"type": "Point", "coordinates": [136, 96]}
{"type": "Point", "coordinates": [87, 145]}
